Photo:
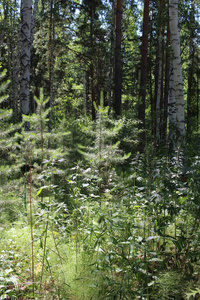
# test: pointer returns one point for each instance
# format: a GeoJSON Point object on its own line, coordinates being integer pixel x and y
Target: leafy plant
{"type": "Point", "coordinates": [169, 286]}
{"type": "Point", "coordinates": [193, 294]}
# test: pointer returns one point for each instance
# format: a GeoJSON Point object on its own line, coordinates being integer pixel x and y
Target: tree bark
{"type": "Point", "coordinates": [33, 20]}
{"type": "Point", "coordinates": [191, 81]}
{"type": "Point", "coordinates": [111, 69]}
{"type": "Point", "coordinates": [158, 91]}
{"type": "Point", "coordinates": [118, 68]}
{"type": "Point", "coordinates": [26, 12]}
{"type": "Point", "coordinates": [177, 69]}
{"type": "Point", "coordinates": [166, 89]}
{"type": "Point", "coordinates": [142, 93]}
{"type": "Point", "coordinates": [172, 110]}
{"type": "Point", "coordinates": [93, 97]}
{"type": "Point", "coordinates": [51, 62]}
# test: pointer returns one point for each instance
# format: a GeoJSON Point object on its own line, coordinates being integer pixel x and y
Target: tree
{"type": "Point", "coordinates": [143, 76]}
{"type": "Point", "coordinates": [26, 13]}
{"type": "Point", "coordinates": [192, 69]}
{"type": "Point", "coordinates": [118, 69]}
{"type": "Point", "coordinates": [51, 61]}
{"type": "Point", "coordinates": [159, 68]}
{"type": "Point", "coordinates": [10, 50]}
{"type": "Point", "coordinates": [177, 70]}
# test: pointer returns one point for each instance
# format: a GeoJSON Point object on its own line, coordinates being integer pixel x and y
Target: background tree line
{"type": "Point", "coordinates": [133, 52]}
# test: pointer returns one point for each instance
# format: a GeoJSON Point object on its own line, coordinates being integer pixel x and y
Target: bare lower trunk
{"type": "Point", "coordinates": [33, 20]}
{"type": "Point", "coordinates": [93, 96]}
{"type": "Point", "coordinates": [158, 96]}
{"type": "Point", "coordinates": [143, 77]}
{"type": "Point", "coordinates": [172, 110]}
{"type": "Point", "coordinates": [111, 69]}
{"type": "Point", "coordinates": [51, 62]}
{"type": "Point", "coordinates": [166, 89]}
{"type": "Point", "coordinates": [177, 68]}
{"type": "Point", "coordinates": [118, 70]}
{"type": "Point", "coordinates": [26, 12]}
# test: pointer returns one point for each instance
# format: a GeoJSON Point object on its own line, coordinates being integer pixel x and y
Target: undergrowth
{"type": "Point", "coordinates": [102, 224]}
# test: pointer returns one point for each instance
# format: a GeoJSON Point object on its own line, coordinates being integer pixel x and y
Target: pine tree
{"type": "Point", "coordinates": [5, 116]}
{"type": "Point", "coordinates": [143, 76]}
{"type": "Point", "coordinates": [105, 154]}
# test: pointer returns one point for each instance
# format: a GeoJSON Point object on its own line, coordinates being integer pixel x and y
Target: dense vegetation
{"type": "Point", "coordinates": [99, 150]}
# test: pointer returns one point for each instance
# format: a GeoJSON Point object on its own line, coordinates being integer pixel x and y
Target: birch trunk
{"type": "Point", "coordinates": [177, 69]}
{"type": "Point", "coordinates": [26, 13]}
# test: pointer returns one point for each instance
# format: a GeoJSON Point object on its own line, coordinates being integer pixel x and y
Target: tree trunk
{"type": "Point", "coordinates": [166, 89]}
{"type": "Point", "coordinates": [162, 59]}
{"type": "Point", "coordinates": [33, 20]}
{"type": "Point", "coordinates": [158, 91]}
{"type": "Point", "coordinates": [152, 98]}
{"type": "Point", "coordinates": [172, 110]}
{"type": "Point", "coordinates": [51, 62]}
{"type": "Point", "coordinates": [3, 26]}
{"type": "Point", "coordinates": [26, 12]}
{"type": "Point", "coordinates": [111, 69]}
{"type": "Point", "coordinates": [93, 98]}
{"type": "Point", "coordinates": [118, 69]}
{"type": "Point", "coordinates": [177, 68]}
{"type": "Point", "coordinates": [197, 106]}
{"type": "Point", "coordinates": [191, 81]}
{"type": "Point", "coordinates": [16, 70]}
{"type": "Point", "coordinates": [142, 93]}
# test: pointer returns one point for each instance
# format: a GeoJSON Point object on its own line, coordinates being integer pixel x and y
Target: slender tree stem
{"type": "Point", "coordinates": [32, 236]}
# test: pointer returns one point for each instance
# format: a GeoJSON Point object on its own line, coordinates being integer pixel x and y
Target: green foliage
{"type": "Point", "coordinates": [5, 115]}
{"type": "Point", "coordinates": [135, 244]}
{"type": "Point", "coordinates": [194, 294]}
{"type": "Point", "coordinates": [82, 214]}
{"type": "Point", "coordinates": [104, 155]}
{"type": "Point", "coordinates": [170, 286]}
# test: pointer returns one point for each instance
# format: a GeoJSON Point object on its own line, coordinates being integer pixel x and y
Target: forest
{"type": "Point", "coordinates": [99, 149]}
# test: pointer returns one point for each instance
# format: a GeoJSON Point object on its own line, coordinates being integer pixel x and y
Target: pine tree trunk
{"type": "Point", "coordinates": [166, 89]}
{"type": "Point", "coordinates": [191, 81]}
{"type": "Point", "coordinates": [93, 96]}
{"type": "Point", "coordinates": [158, 92]}
{"type": "Point", "coordinates": [152, 98]}
{"type": "Point", "coordinates": [51, 62]}
{"type": "Point", "coordinates": [33, 20]}
{"type": "Point", "coordinates": [16, 70]}
{"type": "Point", "coordinates": [118, 69]}
{"type": "Point", "coordinates": [197, 107]}
{"type": "Point", "coordinates": [3, 26]}
{"type": "Point", "coordinates": [190, 89]}
{"type": "Point", "coordinates": [177, 69]}
{"type": "Point", "coordinates": [142, 94]}
{"type": "Point", "coordinates": [172, 110]}
{"type": "Point", "coordinates": [26, 12]}
{"type": "Point", "coordinates": [111, 69]}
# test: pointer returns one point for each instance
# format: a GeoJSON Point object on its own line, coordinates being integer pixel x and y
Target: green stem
{"type": "Point", "coordinates": [32, 237]}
